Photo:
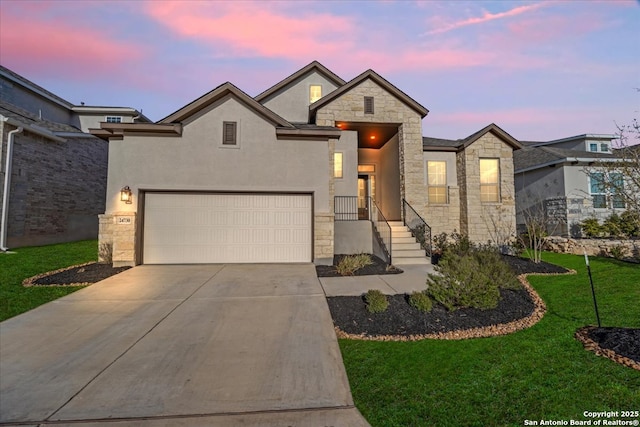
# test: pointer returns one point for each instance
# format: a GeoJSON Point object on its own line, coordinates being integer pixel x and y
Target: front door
{"type": "Point", "coordinates": [363, 197]}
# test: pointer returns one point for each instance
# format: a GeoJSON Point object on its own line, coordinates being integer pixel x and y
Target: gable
{"type": "Point", "coordinates": [222, 91]}
{"type": "Point", "coordinates": [292, 101]}
{"type": "Point", "coordinates": [494, 130]}
{"type": "Point", "coordinates": [313, 68]}
{"type": "Point", "coordinates": [374, 77]}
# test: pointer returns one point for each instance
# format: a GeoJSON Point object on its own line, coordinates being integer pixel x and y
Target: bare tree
{"type": "Point", "coordinates": [621, 178]}
{"type": "Point", "coordinates": [539, 222]}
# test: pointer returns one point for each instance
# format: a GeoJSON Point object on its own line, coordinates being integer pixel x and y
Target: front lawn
{"type": "Point", "coordinates": [27, 262]}
{"type": "Point", "coordinates": [541, 373]}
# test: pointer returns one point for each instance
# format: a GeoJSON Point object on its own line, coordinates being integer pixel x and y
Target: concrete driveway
{"type": "Point", "coordinates": [180, 345]}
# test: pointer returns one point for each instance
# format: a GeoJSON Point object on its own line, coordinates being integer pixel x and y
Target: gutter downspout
{"type": "Point", "coordinates": [7, 185]}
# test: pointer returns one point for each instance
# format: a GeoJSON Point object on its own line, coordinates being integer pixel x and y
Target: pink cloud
{"type": "Point", "coordinates": [52, 45]}
{"type": "Point", "coordinates": [249, 28]}
{"type": "Point", "coordinates": [486, 17]}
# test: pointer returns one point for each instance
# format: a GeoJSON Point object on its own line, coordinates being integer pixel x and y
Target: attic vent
{"type": "Point", "coordinates": [229, 133]}
{"type": "Point", "coordinates": [368, 104]}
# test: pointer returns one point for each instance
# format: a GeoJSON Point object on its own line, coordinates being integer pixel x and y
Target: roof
{"type": "Point", "coordinates": [583, 137]}
{"type": "Point", "coordinates": [440, 144]}
{"type": "Point", "coordinates": [530, 158]}
{"type": "Point", "coordinates": [218, 93]}
{"type": "Point", "coordinates": [372, 75]}
{"type": "Point", "coordinates": [28, 119]}
{"type": "Point", "coordinates": [314, 66]}
{"type": "Point", "coordinates": [17, 78]}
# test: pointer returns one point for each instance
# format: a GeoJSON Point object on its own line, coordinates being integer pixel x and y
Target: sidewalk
{"type": "Point", "coordinates": [413, 279]}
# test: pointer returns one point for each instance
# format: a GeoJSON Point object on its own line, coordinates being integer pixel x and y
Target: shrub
{"type": "Point", "coordinates": [470, 276]}
{"type": "Point", "coordinates": [630, 223]}
{"type": "Point", "coordinates": [591, 227]}
{"type": "Point", "coordinates": [376, 301]}
{"type": "Point", "coordinates": [420, 301]}
{"type": "Point", "coordinates": [613, 225]}
{"type": "Point", "coordinates": [618, 252]}
{"type": "Point", "coordinates": [352, 263]}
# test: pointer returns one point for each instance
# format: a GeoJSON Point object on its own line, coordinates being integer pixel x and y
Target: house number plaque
{"type": "Point", "coordinates": [124, 220]}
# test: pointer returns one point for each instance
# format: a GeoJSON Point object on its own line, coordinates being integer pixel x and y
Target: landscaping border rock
{"type": "Point", "coordinates": [488, 331]}
{"type": "Point", "coordinates": [582, 335]}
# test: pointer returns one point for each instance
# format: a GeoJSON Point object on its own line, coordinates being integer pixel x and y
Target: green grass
{"type": "Point", "coordinates": [27, 262]}
{"type": "Point", "coordinates": [538, 373]}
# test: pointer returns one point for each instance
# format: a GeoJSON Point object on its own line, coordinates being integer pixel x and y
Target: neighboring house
{"type": "Point", "coordinates": [57, 176]}
{"type": "Point", "coordinates": [559, 181]}
{"type": "Point", "coordinates": [312, 167]}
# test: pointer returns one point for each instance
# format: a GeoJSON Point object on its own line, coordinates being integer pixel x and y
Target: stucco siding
{"type": "Point", "coordinates": [348, 146]}
{"type": "Point", "coordinates": [197, 161]}
{"type": "Point", "coordinates": [292, 103]}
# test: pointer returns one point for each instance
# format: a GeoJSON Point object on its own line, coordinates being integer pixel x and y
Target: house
{"type": "Point", "coordinates": [53, 172]}
{"type": "Point", "coordinates": [312, 167]}
{"type": "Point", "coordinates": [559, 180]}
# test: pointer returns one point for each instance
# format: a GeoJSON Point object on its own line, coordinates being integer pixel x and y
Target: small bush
{"type": "Point", "coordinates": [376, 301]}
{"type": "Point", "coordinates": [618, 252]}
{"type": "Point", "coordinates": [591, 227]}
{"type": "Point", "coordinates": [630, 223]}
{"type": "Point", "coordinates": [420, 301]}
{"type": "Point", "coordinates": [613, 225]}
{"type": "Point", "coordinates": [352, 263]}
{"type": "Point", "coordinates": [470, 276]}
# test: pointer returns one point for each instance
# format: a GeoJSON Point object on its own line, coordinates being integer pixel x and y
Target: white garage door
{"type": "Point", "coordinates": [226, 228]}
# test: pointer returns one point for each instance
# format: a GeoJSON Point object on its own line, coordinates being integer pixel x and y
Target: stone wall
{"type": "Point", "coordinates": [117, 239]}
{"type": "Point", "coordinates": [600, 247]}
{"type": "Point", "coordinates": [484, 222]}
{"type": "Point", "coordinates": [387, 109]}
{"type": "Point", "coordinates": [57, 188]}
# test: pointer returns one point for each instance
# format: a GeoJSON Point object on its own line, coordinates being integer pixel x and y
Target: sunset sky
{"type": "Point", "coordinates": [540, 70]}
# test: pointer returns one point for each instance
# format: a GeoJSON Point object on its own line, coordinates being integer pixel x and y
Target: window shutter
{"type": "Point", "coordinates": [229, 133]}
{"type": "Point", "coordinates": [368, 104]}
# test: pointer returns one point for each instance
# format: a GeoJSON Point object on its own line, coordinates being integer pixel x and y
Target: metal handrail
{"type": "Point", "coordinates": [345, 208]}
{"type": "Point", "coordinates": [418, 226]}
{"type": "Point", "coordinates": [381, 229]}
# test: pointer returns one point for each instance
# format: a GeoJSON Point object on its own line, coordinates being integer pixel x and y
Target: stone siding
{"type": "Point", "coordinates": [593, 247]}
{"type": "Point", "coordinates": [57, 188]}
{"type": "Point", "coordinates": [484, 222]}
{"type": "Point", "coordinates": [387, 109]}
{"type": "Point", "coordinates": [444, 218]}
{"type": "Point", "coordinates": [117, 238]}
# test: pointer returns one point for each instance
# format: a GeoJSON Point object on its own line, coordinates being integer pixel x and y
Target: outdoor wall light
{"type": "Point", "coordinates": [126, 195]}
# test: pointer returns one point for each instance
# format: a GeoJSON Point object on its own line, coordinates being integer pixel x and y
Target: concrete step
{"type": "Point", "coordinates": [395, 234]}
{"type": "Point", "coordinates": [401, 240]}
{"type": "Point", "coordinates": [399, 228]}
{"type": "Point", "coordinates": [409, 246]}
{"type": "Point", "coordinates": [396, 223]}
{"type": "Point", "coordinates": [408, 261]}
{"type": "Point", "coordinates": [406, 253]}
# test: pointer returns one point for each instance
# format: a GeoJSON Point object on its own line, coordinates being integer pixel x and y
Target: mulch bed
{"type": "Point", "coordinates": [77, 275]}
{"type": "Point", "coordinates": [377, 268]}
{"type": "Point", "coordinates": [622, 345]}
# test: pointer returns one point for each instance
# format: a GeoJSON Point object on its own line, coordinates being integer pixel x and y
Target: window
{"type": "Point", "coordinates": [337, 165]}
{"type": "Point", "coordinates": [604, 147]}
{"type": "Point", "coordinates": [229, 133]}
{"type": "Point", "coordinates": [366, 168]}
{"type": "Point", "coordinates": [315, 93]}
{"type": "Point", "coordinates": [368, 104]}
{"type": "Point", "coordinates": [114, 119]}
{"type": "Point", "coordinates": [593, 147]}
{"type": "Point", "coordinates": [490, 180]}
{"type": "Point", "coordinates": [437, 182]}
{"type": "Point", "coordinates": [601, 192]}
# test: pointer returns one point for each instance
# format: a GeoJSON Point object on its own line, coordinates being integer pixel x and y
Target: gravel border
{"type": "Point", "coordinates": [582, 335]}
{"type": "Point", "coordinates": [488, 331]}
{"type": "Point", "coordinates": [28, 282]}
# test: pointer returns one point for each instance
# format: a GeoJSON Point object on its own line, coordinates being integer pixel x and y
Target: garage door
{"type": "Point", "coordinates": [226, 228]}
